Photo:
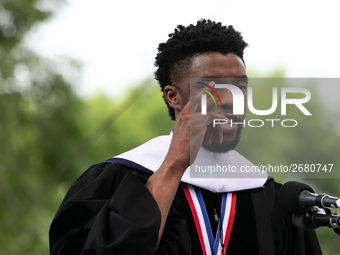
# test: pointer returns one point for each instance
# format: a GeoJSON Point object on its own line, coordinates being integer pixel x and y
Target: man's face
{"type": "Point", "coordinates": [216, 65]}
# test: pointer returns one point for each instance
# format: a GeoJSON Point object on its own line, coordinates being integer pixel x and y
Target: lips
{"type": "Point", "coordinates": [228, 128]}
{"type": "Point", "coordinates": [232, 117]}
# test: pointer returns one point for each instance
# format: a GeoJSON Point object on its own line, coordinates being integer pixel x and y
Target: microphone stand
{"type": "Point", "coordinates": [313, 217]}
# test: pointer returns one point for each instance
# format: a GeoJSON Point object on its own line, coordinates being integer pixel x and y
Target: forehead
{"type": "Point", "coordinates": [217, 65]}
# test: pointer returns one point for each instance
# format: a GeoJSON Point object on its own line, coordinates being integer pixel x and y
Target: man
{"type": "Point", "coordinates": [144, 201]}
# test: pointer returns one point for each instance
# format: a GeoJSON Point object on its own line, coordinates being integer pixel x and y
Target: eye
{"type": "Point", "coordinates": [242, 85]}
{"type": "Point", "coordinates": [200, 86]}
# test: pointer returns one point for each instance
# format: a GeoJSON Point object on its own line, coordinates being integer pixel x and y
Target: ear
{"type": "Point", "coordinates": [173, 97]}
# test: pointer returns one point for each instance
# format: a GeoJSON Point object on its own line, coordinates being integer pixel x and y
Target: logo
{"type": "Point", "coordinates": [213, 90]}
{"type": "Point", "coordinates": [239, 103]}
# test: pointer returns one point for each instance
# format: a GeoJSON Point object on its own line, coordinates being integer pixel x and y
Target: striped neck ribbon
{"type": "Point", "coordinates": [200, 215]}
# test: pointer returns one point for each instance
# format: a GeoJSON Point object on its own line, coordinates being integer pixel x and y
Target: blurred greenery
{"type": "Point", "coordinates": [49, 135]}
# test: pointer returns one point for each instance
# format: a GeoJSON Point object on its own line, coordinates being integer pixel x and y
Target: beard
{"type": "Point", "coordinates": [225, 146]}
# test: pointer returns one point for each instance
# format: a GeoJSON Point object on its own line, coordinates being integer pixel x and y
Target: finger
{"type": "Point", "coordinates": [217, 129]}
{"type": "Point", "coordinates": [205, 122]}
{"type": "Point", "coordinates": [218, 134]}
{"type": "Point", "coordinates": [193, 103]}
{"type": "Point", "coordinates": [209, 136]}
{"type": "Point", "coordinates": [196, 100]}
{"type": "Point", "coordinates": [214, 131]}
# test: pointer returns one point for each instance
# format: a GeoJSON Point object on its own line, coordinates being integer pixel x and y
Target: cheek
{"type": "Point", "coordinates": [245, 102]}
{"type": "Point", "coordinates": [184, 97]}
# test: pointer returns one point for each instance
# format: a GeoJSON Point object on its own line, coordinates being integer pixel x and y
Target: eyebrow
{"type": "Point", "coordinates": [244, 77]}
{"type": "Point", "coordinates": [241, 76]}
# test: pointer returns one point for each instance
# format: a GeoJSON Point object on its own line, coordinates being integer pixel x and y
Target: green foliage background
{"type": "Point", "coordinates": [49, 135]}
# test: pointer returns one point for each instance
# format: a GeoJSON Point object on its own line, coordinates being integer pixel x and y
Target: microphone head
{"type": "Point", "coordinates": [300, 221]}
{"type": "Point", "coordinates": [289, 196]}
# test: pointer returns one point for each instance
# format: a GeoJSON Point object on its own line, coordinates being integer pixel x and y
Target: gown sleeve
{"type": "Point", "coordinates": [108, 210]}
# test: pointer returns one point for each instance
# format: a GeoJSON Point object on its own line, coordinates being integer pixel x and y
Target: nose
{"type": "Point", "coordinates": [226, 98]}
{"type": "Point", "coordinates": [232, 99]}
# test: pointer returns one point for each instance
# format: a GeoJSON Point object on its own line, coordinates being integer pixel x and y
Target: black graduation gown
{"type": "Point", "coordinates": [108, 210]}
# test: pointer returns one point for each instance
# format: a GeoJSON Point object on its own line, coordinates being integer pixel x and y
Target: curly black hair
{"type": "Point", "coordinates": [186, 42]}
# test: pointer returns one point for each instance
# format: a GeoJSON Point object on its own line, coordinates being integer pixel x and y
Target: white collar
{"type": "Point", "coordinates": [151, 154]}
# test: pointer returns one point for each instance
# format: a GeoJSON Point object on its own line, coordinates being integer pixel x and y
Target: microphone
{"type": "Point", "coordinates": [313, 218]}
{"type": "Point", "coordinates": [296, 196]}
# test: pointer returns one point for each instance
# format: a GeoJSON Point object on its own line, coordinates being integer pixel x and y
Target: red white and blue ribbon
{"type": "Point", "coordinates": [200, 215]}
